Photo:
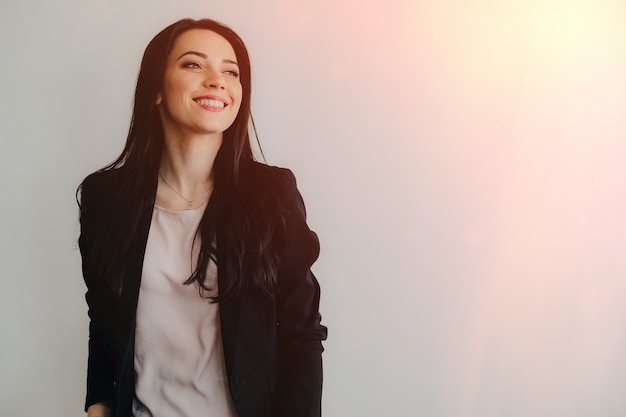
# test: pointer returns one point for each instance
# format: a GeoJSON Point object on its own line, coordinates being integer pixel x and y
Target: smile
{"type": "Point", "coordinates": [207, 102]}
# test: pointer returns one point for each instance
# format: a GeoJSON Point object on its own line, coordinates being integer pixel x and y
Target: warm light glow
{"type": "Point", "coordinates": [529, 95]}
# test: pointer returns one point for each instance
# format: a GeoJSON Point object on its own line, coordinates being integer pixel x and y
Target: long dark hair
{"type": "Point", "coordinates": [241, 216]}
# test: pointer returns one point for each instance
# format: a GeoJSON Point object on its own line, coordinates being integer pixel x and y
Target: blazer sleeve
{"type": "Point", "coordinates": [100, 362]}
{"type": "Point", "coordinates": [298, 388]}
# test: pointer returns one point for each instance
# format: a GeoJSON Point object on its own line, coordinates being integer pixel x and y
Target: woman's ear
{"type": "Point", "coordinates": [159, 99]}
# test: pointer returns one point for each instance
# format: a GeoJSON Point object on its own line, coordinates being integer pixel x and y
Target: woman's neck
{"type": "Point", "coordinates": [186, 170]}
{"type": "Point", "coordinates": [189, 163]}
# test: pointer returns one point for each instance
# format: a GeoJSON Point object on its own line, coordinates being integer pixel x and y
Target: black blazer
{"type": "Point", "coordinates": [272, 342]}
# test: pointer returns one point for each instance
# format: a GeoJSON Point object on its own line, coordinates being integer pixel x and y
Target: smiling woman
{"type": "Point", "coordinates": [202, 76]}
{"type": "Point", "coordinates": [196, 257]}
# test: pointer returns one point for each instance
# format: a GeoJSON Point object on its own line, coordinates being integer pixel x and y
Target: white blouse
{"type": "Point", "coordinates": [179, 357]}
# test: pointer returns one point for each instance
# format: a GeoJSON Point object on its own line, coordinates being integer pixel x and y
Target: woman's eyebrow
{"type": "Point", "coordinates": [230, 61]}
{"type": "Point", "coordinates": [205, 56]}
{"type": "Point", "coordinates": [200, 54]}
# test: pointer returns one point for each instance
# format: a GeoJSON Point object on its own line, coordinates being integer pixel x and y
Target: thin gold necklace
{"type": "Point", "coordinates": [190, 202]}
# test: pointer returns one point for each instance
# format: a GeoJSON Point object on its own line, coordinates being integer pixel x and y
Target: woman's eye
{"type": "Point", "coordinates": [234, 73]}
{"type": "Point", "coordinates": [193, 65]}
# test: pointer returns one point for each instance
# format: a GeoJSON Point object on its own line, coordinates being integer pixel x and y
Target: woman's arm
{"type": "Point", "coordinates": [100, 368]}
{"type": "Point", "coordinates": [299, 329]}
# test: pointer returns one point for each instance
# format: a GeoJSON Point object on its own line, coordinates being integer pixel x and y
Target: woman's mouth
{"type": "Point", "coordinates": [207, 102]}
{"type": "Point", "coordinates": [211, 103]}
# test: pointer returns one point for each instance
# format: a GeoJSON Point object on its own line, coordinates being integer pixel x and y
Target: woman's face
{"type": "Point", "coordinates": [201, 91]}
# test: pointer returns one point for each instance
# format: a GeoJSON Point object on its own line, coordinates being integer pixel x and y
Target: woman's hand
{"type": "Point", "coordinates": [98, 410]}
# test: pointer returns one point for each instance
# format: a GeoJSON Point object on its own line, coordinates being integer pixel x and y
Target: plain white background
{"type": "Point", "coordinates": [462, 163]}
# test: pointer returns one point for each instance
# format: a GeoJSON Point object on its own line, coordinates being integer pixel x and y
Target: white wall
{"type": "Point", "coordinates": [462, 163]}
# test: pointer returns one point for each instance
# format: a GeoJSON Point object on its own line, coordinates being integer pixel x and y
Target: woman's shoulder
{"type": "Point", "coordinates": [100, 185]}
{"type": "Point", "coordinates": [273, 176]}
{"type": "Point", "coordinates": [281, 186]}
{"type": "Point", "coordinates": [104, 178]}
{"type": "Point", "coordinates": [275, 187]}
{"type": "Point", "coordinates": [270, 171]}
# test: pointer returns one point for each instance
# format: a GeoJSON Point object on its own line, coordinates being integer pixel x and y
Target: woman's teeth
{"type": "Point", "coordinates": [210, 103]}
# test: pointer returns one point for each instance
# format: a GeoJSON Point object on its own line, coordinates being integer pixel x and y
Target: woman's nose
{"type": "Point", "coordinates": [215, 79]}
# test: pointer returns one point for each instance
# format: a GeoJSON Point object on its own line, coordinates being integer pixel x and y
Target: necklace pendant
{"type": "Point", "coordinates": [190, 206]}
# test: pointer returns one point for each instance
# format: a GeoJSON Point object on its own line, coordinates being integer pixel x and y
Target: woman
{"type": "Point", "coordinates": [197, 258]}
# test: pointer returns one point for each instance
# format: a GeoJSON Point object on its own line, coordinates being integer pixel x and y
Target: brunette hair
{"type": "Point", "coordinates": [240, 215]}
